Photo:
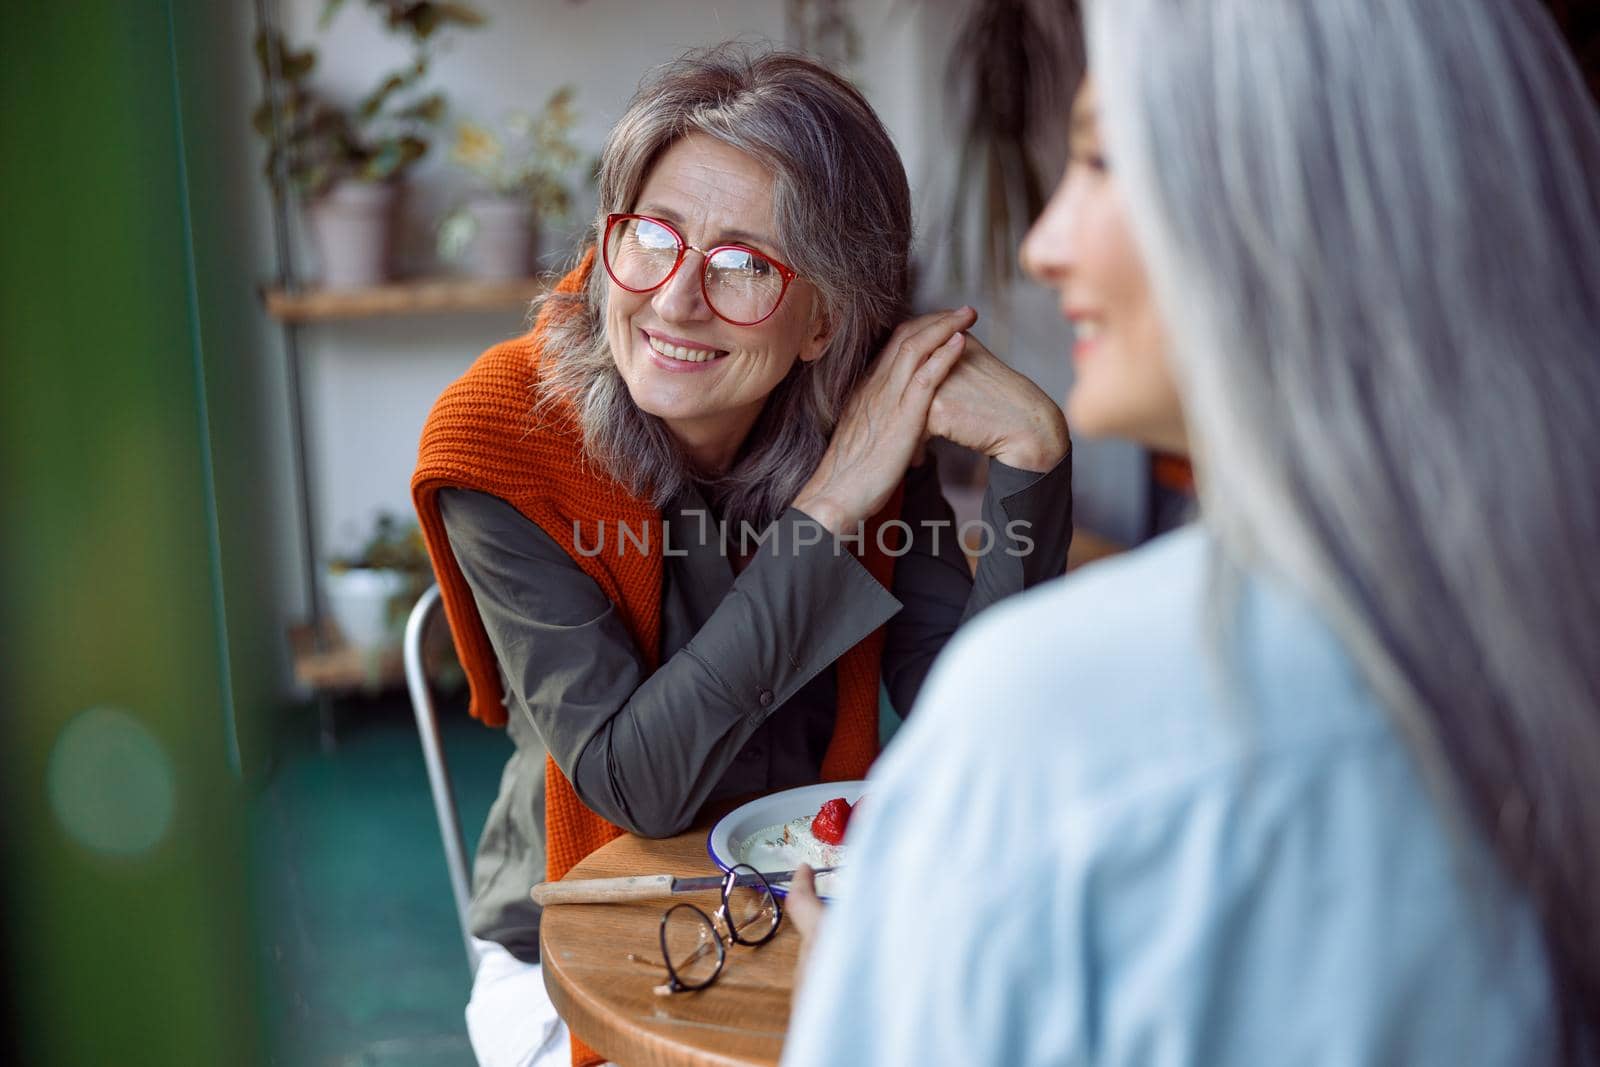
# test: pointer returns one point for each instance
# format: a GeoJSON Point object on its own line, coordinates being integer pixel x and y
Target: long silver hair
{"type": "Point", "coordinates": [842, 216]}
{"type": "Point", "coordinates": [1373, 229]}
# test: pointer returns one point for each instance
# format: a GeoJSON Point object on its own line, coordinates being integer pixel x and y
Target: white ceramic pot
{"type": "Point", "coordinates": [503, 244]}
{"type": "Point", "coordinates": [361, 601]}
{"type": "Point", "coordinates": [352, 226]}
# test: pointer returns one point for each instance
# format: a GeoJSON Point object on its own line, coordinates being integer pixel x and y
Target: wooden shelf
{"type": "Point", "coordinates": [341, 668]}
{"type": "Point", "coordinates": [337, 667]}
{"type": "Point", "coordinates": [416, 297]}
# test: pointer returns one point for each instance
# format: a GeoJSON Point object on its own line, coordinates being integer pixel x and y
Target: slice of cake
{"type": "Point", "coordinates": [799, 837]}
{"type": "Point", "coordinates": [818, 839]}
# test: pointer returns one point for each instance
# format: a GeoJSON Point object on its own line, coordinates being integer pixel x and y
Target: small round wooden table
{"type": "Point", "coordinates": [608, 1000]}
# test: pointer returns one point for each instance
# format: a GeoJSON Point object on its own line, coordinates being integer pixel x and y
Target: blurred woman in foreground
{"type": "Point", "coordinates": [1349, 252]}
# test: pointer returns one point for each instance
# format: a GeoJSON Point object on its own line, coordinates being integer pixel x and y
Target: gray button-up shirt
{"type": "Point", "coordinates": [744, 698]}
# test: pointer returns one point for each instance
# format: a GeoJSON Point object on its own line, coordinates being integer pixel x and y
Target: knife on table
{"type": "Point", "coordinates": [641, 887]}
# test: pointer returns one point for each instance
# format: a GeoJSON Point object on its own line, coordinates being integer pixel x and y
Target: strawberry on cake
{"type": "Point", "coordinates": [814, 839]}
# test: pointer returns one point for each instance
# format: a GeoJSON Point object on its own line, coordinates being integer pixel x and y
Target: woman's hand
{"type": "Point", "coordinates": [884, 422]}
{"type": "Point", "coordinates": [804, 909]}
{"type": "Point", "coordinates": [986, 406]}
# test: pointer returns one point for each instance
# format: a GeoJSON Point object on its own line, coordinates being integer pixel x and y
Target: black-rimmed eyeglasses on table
{"type": "Point", "coordinates": [693, 951]}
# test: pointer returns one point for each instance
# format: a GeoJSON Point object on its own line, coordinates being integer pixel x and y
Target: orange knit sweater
{"type": "Point", "coordinates": [483, 435]}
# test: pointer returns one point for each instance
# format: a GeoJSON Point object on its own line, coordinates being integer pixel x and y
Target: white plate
{"type": "Point", "coordinates": [730, 840]}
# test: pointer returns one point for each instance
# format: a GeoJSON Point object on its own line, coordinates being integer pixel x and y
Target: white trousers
{"type": "Point", "coordinates": [510, 1018]}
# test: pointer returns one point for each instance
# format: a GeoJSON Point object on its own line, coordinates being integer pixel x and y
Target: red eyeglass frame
{"type": "Point", "coordinates": [786, 272]}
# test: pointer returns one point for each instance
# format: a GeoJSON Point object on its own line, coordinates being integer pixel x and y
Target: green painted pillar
{"type": "Point", "coordinates": [137, 676]}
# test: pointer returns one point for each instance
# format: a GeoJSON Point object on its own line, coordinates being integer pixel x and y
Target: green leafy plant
{"type": "Point", "coordinates": [531, 159]}
{"type": "Point", "coordinates": [392, 545]}
{"type": "Point", "coordinates": [315, 141]}
{"type": "Point", "coordinates": [417, 19]}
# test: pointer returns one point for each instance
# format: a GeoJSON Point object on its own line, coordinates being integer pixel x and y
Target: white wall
{"type": "Point", "coordinates": [369, 384]}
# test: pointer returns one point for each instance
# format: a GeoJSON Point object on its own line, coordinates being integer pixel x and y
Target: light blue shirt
{"type": "Point", "coordinates": [1094, 844]}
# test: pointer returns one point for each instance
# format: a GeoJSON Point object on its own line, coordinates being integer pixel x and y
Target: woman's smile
{"type": "Point", "coordinates": [1085, 334]}
{"type": "Point", "coordinates": [678, 355]}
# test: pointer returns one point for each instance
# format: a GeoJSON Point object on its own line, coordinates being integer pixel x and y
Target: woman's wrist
{"type": "Point", "coordinates": [1039, 448]}
{"type": "Point", "coordinates": [831, 516]}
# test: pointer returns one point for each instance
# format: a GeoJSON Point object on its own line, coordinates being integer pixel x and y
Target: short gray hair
{"type": "Point", "coordinates": [1373, 229]}
{"type": "Point", "coordinates": [842, 214]}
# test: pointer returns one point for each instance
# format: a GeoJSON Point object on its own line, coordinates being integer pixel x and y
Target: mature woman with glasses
{"type": "Point", "coordinates": [1326, 791]}
{"type": "Point", "coordinates": [725, 364]}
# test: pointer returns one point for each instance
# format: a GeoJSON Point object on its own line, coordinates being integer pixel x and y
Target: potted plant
{"type": "Point", "coordinates": [346, 162]}
{"type": "Point", "coordinates": [370, 592]}
{"type": "Point", "coordinates": [520, 176]}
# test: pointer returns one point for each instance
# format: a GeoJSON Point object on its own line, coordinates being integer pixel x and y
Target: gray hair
{"type": "Point", "coordinates": [842, 215]}
{"type": "Point", "coordinates": [1373, 229]}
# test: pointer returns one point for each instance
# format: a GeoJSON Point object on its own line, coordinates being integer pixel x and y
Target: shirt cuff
{"type": "Point", "coordinates": [803, 601]}
{"type": "Point", "coordinates": [1006, 482]}
{"type": "Point", "coordinates": [1036, 507]}
{"type": "Point", "coordinates": [1028, 529]}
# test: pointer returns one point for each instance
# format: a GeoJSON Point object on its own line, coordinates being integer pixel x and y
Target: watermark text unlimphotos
{"type": "Point", "coordinates": [894, 538]}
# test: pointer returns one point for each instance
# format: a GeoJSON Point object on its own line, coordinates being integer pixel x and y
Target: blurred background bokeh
{"type": "Point", "coordinates": [219, 838]}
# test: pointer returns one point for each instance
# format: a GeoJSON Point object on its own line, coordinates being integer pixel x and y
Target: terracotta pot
{"type": "Point", "coordinates": [503, 244]}
{"type": "Point", "coordinates": [352, 226]}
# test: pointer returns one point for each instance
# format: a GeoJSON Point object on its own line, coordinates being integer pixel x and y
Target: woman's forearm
{"type": "Point", "coordinates": [646, 749]}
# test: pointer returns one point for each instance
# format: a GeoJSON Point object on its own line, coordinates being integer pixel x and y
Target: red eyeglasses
{"type": "Point", "coordinates": [741, 286]}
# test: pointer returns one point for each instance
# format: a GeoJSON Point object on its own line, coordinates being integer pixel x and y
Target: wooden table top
{"type": "Point", "coordinates": [608, 1000]}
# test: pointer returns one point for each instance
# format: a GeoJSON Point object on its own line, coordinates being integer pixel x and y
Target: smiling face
{"type": "Point", "coordinates": [706, 378]}
{"type": "Point", "coordinates": [1083, 247]}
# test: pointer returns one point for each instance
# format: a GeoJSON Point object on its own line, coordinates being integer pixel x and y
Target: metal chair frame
{"type": "Point", "coordinates": [444, 797]}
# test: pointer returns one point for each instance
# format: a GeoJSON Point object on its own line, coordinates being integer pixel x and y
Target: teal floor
{"type": "Point", "coordinates": [364, 959]}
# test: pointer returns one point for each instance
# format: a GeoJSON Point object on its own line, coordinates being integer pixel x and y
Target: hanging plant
{"type": "Point", "coordinates": [824, 30]}
{"type": "Point", "coordinates": [1010, 72]}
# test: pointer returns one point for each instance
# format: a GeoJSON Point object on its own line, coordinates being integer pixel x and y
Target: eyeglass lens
{"type": "Point", "coordinates": [741, 285]}
{"type": "Point", "coordinates": [751, 910]}
{"type": "Point", "coordinates": [690, 946]}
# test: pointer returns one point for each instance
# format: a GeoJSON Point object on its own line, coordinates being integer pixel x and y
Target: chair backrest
{"type": "Point", "coordinates": [444, 797]}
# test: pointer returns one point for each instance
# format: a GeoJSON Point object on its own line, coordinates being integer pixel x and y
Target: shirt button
{"type": "Point", "coordinates": [766, 698]}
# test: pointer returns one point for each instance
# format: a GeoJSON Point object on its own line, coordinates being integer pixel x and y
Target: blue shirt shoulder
{"type": "Point", "coordinates": [1149, 814]}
